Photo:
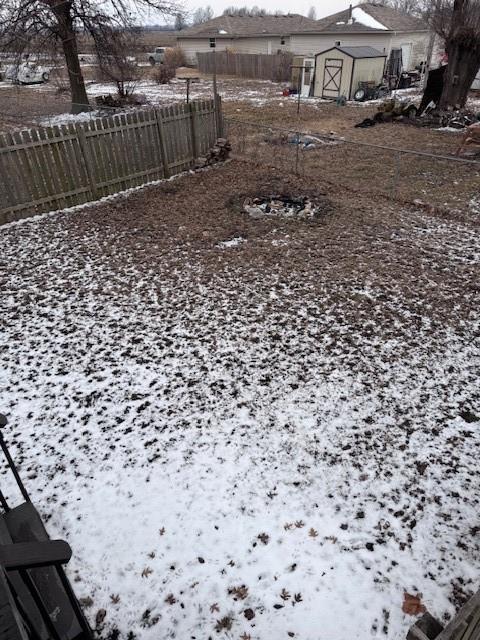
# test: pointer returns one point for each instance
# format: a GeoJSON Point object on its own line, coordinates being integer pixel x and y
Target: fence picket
{"type": "Point", "coordinates": [274, 67]}
{"type": "Point", "coordinates": [60, 166]}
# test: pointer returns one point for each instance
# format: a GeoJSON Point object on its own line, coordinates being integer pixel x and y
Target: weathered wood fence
{"type": "Point", "coordinates": [275, 67]}
{"type": "Point", "coordinates": [60, 166]}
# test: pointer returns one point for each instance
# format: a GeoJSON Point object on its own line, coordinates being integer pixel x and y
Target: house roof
{"type": "Point", "coordinates": [367, 17]}
{"type": "Point", "coordinates": [359, 52]}
{"type": "Point", "coordinates": [378, 18]}
{"type": "Point", "coordinates": [235, 26]}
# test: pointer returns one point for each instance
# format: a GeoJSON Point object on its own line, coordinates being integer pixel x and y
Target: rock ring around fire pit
{"type": "Point", "coordinates": [281, 205]}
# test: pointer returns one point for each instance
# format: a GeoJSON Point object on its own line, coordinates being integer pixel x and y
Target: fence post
{"type": "Point", "coordinates": [297, 145]}
{"type": "Point", "coordinates": [82, 141]}
{"type": "Point", "coordinates": [193, 127]}
{"type": "Point", "coordinates": [163, 148]}
{"type": "Point", "coordinates": [218, 116]}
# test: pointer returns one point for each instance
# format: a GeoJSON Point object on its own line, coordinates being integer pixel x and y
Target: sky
{"type": "Point", "coordinates": [323, 7]}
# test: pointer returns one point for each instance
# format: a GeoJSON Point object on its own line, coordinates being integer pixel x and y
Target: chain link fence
{"type": "Point", "coordinates": [359, 167]}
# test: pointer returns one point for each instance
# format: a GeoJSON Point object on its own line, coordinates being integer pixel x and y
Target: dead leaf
{"type": "Point", "coordinates": [313, 533]}
{"type": "Point", "coordinates": [115, 598]}
{"type": "Point", "coordinates": [263, 537]}
{"type": "Point", "coordinates": [284, 594]}
{"type": "Point", "coordinates": [162, 531]}
{"type": "Point", "coordinates": [170, 599]}
{"type": "Point", "coordinates": [100, 617]}
{"type": "Point", "coordinates": [224, 623]}
{"type": "Point", "coordinates": [412, 604]}
{"type": "Point", "coordinates": [299, 524]}
{"type": "Point", "coordinates": [214, 607]}
{"type": "Point", "coordinates": [146, 572]}
{"type": "Point", "coordinates": [238, 593]}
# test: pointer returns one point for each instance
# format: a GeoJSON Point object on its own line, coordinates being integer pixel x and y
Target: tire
{"type": "Point", "coordinates": [411, 113]}
{"type": "Point", "coordinates": [45, 76]}
{"type": "Point", "coordinates": [152, 61]}
{"type": "Point", "coordinates": [360, 95]}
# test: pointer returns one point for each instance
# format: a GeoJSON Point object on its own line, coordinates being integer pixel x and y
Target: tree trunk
{"type": "Point", "coordinates": [68, 37]}
{"type": "Point", "coordinates": [463, 65]}
{"type": "Point", "coordinates": [463, 49]}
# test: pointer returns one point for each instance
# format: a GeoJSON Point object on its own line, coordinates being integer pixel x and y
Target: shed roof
{"type": "Point", "coordinates": [361, 52]}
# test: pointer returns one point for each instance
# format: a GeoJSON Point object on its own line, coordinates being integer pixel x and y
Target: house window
{"type": "Point", "coordinates": [337, 43]}
{"type": "Point", "coordinates": [282, 40]}
{"type": "Point", "coordinates": [212, 43]}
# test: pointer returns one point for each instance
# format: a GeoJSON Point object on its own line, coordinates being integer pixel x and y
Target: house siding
{"type": "Point", "coordinates": [311, 44]}
{"type": "Point", "coordinates": [419, 48]}
{"type": "Point", "coordinates": [261, 44]}
{"type": "Point", "coordinates": [308, 44]}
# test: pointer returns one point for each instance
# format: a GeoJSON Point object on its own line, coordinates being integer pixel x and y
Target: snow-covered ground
{"type": "Point", "coordinates": [235, 449]}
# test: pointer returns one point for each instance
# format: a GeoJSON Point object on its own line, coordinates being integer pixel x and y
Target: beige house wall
{"type": "Point", "coordinates": [260, 44]}
{"type": "Point", "coordinates": [310, 45]}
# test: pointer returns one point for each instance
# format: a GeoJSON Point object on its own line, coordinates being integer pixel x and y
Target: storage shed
{"type": "Point", "coordinates": [339, 70]}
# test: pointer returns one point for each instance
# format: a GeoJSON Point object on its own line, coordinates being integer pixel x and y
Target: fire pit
{"type": "Point", "coordinates": [283, 206]}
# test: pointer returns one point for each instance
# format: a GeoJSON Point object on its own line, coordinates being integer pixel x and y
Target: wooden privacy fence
{"type": "Point", "coordinates": [61, 166]}
{"type": "Point", "coordinates": [276, 67]}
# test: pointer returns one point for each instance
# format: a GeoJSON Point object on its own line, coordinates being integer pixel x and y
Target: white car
{"type": "Point", "coordinates": [27, 73]}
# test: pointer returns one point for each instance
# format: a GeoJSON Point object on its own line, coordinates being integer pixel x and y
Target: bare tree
{"type": "Point", "coordinates": [312, 13]}
{"type": "Point", "coordinates": [180, 21]}
{"type": "Point", "coordinates": [457, 22]}
{"type": "Point", "coordinates": [112, 48]}
{"type": "Point", "coordinates": [27, 23]}
{"type": "Point", "coordinates": [410, 7]}
{"type": "Point", "coordinates": [202, 14]}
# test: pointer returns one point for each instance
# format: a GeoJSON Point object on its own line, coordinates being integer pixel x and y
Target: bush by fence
{"type": "Point", "coordinates": [61, 166]}
{"type": "Point", "coordinates": [275, 67]}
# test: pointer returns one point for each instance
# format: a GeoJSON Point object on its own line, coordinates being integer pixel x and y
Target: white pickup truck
{"type": "Point", "coordinates": [157, 56]}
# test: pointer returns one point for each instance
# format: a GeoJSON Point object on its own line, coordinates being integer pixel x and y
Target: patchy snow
{"type": "Point", "coordinates": [286, 442]}
{"type": "Point", "coordinates": [234, 242]}
{"type": "Point", "coordinates": [256, 92]}
{"type": "Point", "coordinates": [65, 118]}
{"type": "Point", "coordinates": [359, 15]}
{"type": "Point", "coordinates": [450, 130]}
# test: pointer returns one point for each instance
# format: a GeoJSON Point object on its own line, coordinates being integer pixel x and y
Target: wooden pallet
{"type": "Point", "coordinates": [464, 626]}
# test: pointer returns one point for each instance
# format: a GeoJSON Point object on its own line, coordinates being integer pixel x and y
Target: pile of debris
{"type": "Point", "coordinates": [218, 153]}
{"type": "Point", "coordinates": [305, 141]}
{"type": "Point", "coordinates": [118, 102]}
{"type": "Point", "coordinates": [451, 119]}
{"type": "Point", "coordinates": [281, 205]}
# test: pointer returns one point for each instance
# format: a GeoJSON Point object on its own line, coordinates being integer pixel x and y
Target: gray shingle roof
{"type": "Point", "coordinates": [235, 26]}
{"type": "Point", "coordinates": [392, 19]}
{"type": "Point", "coordinates": [361, 52]}
{"type": "Point", "coordinates": [245, 26]}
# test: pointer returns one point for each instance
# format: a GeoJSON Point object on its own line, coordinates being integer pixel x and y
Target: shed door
{"type": "Point", "coordinates": [332, 78]}
{"type": "Point", "coordinates": [307, 76]}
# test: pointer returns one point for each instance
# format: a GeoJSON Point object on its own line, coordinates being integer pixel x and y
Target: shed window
{"type": "Point", "coordinates": [337, 43]}
{"type": "Point", "coordinates": [212, 43]}
{"type": "Point", "coordinates": [282, 40]}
